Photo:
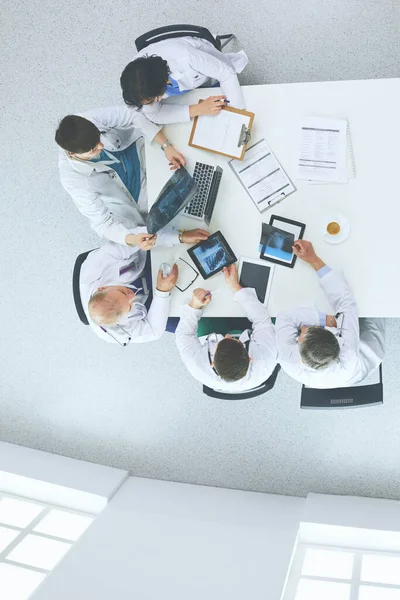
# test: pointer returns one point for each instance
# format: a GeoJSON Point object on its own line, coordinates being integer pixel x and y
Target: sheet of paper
{"type": "Point", "coordinates": [262, 176]}
{"type": "Point", "coordinates": [323, 150]}
{"type": "Point", "coordinates": [221, 133]}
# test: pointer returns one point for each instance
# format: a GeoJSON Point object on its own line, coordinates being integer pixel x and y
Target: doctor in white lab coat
{"type": "Point", "coordinates": [175, 66]}
{"type": "Point", "coordinates": [222, 363]}
{"type": "Point", "coordinates": [113, 290]}
{"type": "Point", "coordinates": [102, 167]}
{"type": "Point", "coordinates": [328, 351]}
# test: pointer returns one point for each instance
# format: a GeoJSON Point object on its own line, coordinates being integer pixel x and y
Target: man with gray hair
{"type": "Point", "coordinates": [328, 351]}
{"type": "Point", "coordinates": [116, 294]}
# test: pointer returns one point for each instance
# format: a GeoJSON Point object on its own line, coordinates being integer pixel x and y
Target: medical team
{"type": "Point", "coordinates": [102, 167]}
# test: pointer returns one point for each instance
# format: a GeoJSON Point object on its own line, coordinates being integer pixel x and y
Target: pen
{"type": "Point", "coordinates": [211, 292]}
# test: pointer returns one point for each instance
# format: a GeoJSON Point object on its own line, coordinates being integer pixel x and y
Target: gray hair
{"type": "Point", "coordinates": [319, 349]}
{"type": "Point", "coordinates": [104, 309]}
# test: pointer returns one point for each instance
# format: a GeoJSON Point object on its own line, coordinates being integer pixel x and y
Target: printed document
{"type": "Point", "coordinates": [323, 151]}
{"type": "Point", "coordinates": [262, 176]}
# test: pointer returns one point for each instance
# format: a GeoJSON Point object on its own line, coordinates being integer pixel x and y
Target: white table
{"type": "Point", "coordinates": [371, 201]}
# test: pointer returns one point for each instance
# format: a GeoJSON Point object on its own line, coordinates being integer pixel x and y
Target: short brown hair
{"type": "Point", "coordinates": [231, 360]}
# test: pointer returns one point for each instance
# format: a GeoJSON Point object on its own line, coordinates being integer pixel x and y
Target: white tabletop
{"type": "Point", "coordinates": [371, 201]}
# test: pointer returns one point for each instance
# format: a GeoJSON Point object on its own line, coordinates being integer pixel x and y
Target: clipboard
{"type": "Point", "coordinates": [227, 134]}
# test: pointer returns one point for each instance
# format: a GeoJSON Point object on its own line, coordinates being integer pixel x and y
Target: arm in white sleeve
{"type": "Point", "coordinates": [168, 236]}
{"type": "Point", "coordinates": [211, 66]}
{"type": "Point", "coordinates": [122, 117]}
{"type": "Point", "coordinates": [153, 325]}
{"type": "Point", "coordinates": [90, 205]}
{"type": "Point", "coordinates": [263, 330]}
{"type": "Point", "coordinates": [166, 112]}
{"type": "Point", "coordinates": [342, 300]}
{"type": "Point", "coordinates": [187, 341]}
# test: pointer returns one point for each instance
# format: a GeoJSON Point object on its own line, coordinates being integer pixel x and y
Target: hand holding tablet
{"type": "Point", "coordinates": [212, 255]}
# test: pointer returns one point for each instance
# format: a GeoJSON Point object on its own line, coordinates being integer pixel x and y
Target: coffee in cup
{"type": "Point", "coordinates": [333, 228]}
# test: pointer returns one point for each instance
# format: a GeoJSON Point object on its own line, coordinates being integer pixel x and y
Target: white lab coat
{"type": "Point", "coordinates": [194, 351]}
{"type": "Point", "coordinates": [102, 267]}
{"type": "Point", "coordinates": [96, 189]}
{"type": "Point", "coordinates": [193, 62]}
{"type": "Point", "coordinates": [357, 358]}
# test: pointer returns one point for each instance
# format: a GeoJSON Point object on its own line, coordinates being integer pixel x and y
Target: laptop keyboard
{"type": "Point", "coordinates": [203, 176]}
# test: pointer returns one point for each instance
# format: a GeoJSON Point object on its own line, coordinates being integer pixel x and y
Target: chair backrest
{"type": "Point", "coordinates": [261, 389]}
{"type": "Point", "coordinates": [75, 286]}
{"type": "Point", "coordinates": [348, 397]}
{"type": "Point", "coordinates": [173, 31]}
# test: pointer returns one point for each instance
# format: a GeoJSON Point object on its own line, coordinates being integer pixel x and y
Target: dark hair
{"type": "Point", "coordinates": [76, 134]}
{"type": "Point", "coordinates": [319, 348]}
{"type": "Point", "coordinates": [231, 360]}
{"type": "Point", "coordinates": [144, 78]}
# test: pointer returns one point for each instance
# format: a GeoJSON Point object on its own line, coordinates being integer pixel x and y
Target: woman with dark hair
{"type": "Point", "coordinates": [175, 66]}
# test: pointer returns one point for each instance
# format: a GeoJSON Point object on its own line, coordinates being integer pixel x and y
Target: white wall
{"type": "Point", "coordinates": [160, 540]}
{"type": "Point", "coordinates": [58, 480]}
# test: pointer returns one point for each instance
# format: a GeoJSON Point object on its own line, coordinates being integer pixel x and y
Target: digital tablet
{"type": "Point", "coordinates": [212, 255]}
{"type": "Point", "coordinates": [254, 273]}
{"type": "Point", "coordinates": [277, 239]}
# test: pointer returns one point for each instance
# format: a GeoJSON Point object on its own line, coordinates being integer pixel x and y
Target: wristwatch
{"type": "Point", "coordinates": [181, 232]}
{"type": "Point", "coordinates": [165, 145]}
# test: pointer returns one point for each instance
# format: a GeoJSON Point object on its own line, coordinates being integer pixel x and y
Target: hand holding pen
{"type": "Point", "coordinates": [200, 298]}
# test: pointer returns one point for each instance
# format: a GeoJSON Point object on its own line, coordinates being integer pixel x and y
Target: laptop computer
{"type": "Point", "coordinates": [201, 206]}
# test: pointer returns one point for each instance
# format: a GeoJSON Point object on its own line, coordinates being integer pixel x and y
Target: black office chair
{"type": "Point", "coordinates": [174, 31]}
{"type": "Point", "coordinates": [257, 391]}
{"type": "Point", "coordinates": [347, 397]}
{"type": "Point", "coordinates": [75, 286]}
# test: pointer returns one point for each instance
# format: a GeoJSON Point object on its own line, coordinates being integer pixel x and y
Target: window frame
{"type": "Point", "coordinates": [294, 575]}
{"type": "Point", "coordinates": [23, 532]}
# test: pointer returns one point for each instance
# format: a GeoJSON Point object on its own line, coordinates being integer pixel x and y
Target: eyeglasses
{"type": "Point", "coordinates": [196, 274]}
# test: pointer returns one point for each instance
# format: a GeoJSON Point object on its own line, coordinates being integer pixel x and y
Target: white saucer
{"type": "Point", "coordinates": [343, 233]}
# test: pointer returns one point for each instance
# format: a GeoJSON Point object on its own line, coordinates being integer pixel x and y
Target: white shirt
{"type": "Point", "coordinates": [356, 360]}
{"type": "Point", "coordinates": [95, 188]}
{"type": "Point", "coordinates": [195, 351]}
{"type": "Point", "coordinates": [192, 62]}
{"type": "Point", "coordinates": [102, 267]}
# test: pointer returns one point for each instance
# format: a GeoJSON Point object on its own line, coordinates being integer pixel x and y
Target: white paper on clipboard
{"type": "Point", "coordinates": [221, 133]}
{"type": "Point", "coordinates": [262, 176]}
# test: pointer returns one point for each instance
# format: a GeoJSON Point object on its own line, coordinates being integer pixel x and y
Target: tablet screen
{"type": "Point", "coordinates": [212, 255]}
{"type": "Point", "coordinates": [255, 276]}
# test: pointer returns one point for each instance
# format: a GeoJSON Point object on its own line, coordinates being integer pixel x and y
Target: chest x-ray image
{"type": "Point", "coordinates": [211, 255]}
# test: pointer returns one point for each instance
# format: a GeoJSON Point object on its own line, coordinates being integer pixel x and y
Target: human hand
{"type": "Point", "coordinates": [145, 241]}
{"type": "Point", "coordinates": [194, 236]}
{"type": "Point", "coordinates": [305, 251]}
{"type": "Point", "coordinates": [165, 284]}
{"type": "Point", "coordinates": [175, 158]}
{"type": "Point", "coordinates": [330, 321]}
{"type": "Point", "coordinates": [200, 298]}
{"type": "Point", "coordinates": [211, 106]}
{"type": "Point", "coordinates": [232, 278]}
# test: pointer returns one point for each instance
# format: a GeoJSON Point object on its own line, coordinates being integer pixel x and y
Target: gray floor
{"type": "Point", "coordinates": [64, 391]}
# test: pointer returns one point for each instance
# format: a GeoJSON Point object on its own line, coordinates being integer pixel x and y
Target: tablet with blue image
{"type": "Point", "coordinates": [277, 239]}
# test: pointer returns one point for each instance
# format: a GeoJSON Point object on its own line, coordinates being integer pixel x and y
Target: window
{"type": "Point", "coordinates": [34, 537]}
{"type": "Point", "coordinates": [328, 573]}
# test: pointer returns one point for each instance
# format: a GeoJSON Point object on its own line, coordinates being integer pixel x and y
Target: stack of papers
{"type": "Point", "coordinates": [325, 151]}
{"type": "Point", "coordinates": [262, 176]}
